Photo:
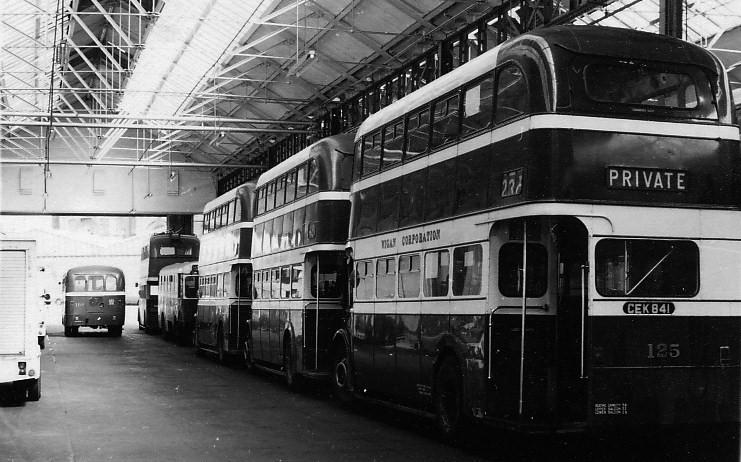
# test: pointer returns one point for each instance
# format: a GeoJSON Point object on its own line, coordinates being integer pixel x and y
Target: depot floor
{"type": "Point", "coordinates": [139, 398]}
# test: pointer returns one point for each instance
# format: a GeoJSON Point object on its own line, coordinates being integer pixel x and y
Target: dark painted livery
{"type": "Point", "coordinates": [94, 297]}
{"type": "Point", "coordinates": [566, 171]}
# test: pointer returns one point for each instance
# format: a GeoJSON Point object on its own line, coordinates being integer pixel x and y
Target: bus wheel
{"type": "Point", "coordinates": [139, 320]}
{"type": "Point", "coordinates": [340, 375]}
{"type": "Point", "coordinates": [447, 399]}
{"type": "Point", "coordinates": [34, 390]}
{"type": "Point", "coordinates": [289, 366]}
{"type": "Point", "coordinates": [115, 331]}
{"type": "Point", "coordinates": [67, 331]}
{"type": "Point", "coordinates": [74, 331]}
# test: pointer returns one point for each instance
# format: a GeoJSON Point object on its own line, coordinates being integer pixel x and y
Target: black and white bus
{"type": "Point", "coordinates": [548, 238]}
{"type": "Point", "coordinates": [303, 208]}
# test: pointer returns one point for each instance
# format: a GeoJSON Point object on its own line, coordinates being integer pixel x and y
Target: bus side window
{"type": "Point", "coordinates": [477, 106]}
{"type": "Point", "coordinates": [290, 186]}
{"type": "Point", "coordinates": [372, 150]}
{"type": "Point", "coordinates": [257, 285]}
{"type": "Point", "coordinates": [285, 282]}
{"type": "Point", "coordinates": [314, 177]}
{"type": "Point", "coordinates": [412, 198]}
{"type": "Point", "coordinates": [301, 182]}
{"type": "Point", "coordinates": [280, 191]}
{"type": "Point", "coordinates": [418, 133]}
{"type": "Point", "coordinates": [393, 143]}
{"type": "Point", "coordinates": [367, 211]}
{"type": "Point", "coordinates": [409, 276]}
{"type": "Point", "coordinates": [437, 267]}
{"type": "Point", "coordinates": [386, 271]}
{"type": "Point", "coordinates": [364, 281]}
{"type": "Point", "coordinates": [512, 93]}
{"type": "Point", "coordinates": [297, 281]}
{"type": "Point", "coordinates": [467, 270]}
{"type": "Point", "coordinates": [261, 200]}
{"type": "Point", "coordinates": [445, 121]}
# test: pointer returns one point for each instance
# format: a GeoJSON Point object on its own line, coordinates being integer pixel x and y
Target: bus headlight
{"type": "Point", "coordinates": [31, 372]}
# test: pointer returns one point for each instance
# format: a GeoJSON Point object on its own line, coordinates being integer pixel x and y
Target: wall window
{"type": "Point", "coordinates": [467, 270]}
{"type": "Point", "coordinates": [512, 93]}
{"type": "Point", "coordinates": [418, 133]}
{"type": "Point", "coordinates": [386, 277]}
{"type": "Point", "coordinates": [510, 270]}
{"type": "Point", "coordinates": [364, 280]}
{"type": "Point", "coordinates": [409, 276]}
{"type": "Point", "coordinates": [297, 281]}
{"type": "Point", "coordinates": [647, 268]}
{"type": "Point", "coordinates": [445, 121]}
{"type": "Point", "coordinates": [437, 269]}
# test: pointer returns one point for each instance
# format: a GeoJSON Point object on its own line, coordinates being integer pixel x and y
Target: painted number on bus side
{"type": "Point", "coordinates": [663, 350]}
{"type": "Point", "coordinates": [512, 182]}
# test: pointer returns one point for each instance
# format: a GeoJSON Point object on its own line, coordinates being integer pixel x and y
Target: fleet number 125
{"type": "Point", "coordinates": [663, 350]}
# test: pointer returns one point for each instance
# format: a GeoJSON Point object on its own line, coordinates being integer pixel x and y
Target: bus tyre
{"type": "Point", "coordinates": [74, 331]}
{"type": "Point", "coordinates": [447, 399]}
{"type": "Point", "coordinates": [67, 331]}
{"type": "Point", "coordinates": [115, 331]}
{"type": "Point", "coordinates": [340, 375]}
{"type": "Point", "coordinates": [34, 390]}
{"type": "Point", "coordinates": [289, 366]}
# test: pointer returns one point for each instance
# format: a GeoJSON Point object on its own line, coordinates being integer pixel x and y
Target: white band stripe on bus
{"type": "Point", "coordinates": [93, 294]}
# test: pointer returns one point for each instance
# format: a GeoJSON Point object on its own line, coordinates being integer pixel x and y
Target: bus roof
{"type": "Point", "coordinates": [94, 269]}
{"type": "Point", "coordinates": [314, 150]}
{"type": "Point", "coordinates": [244, 193]}
{"type": "Point", "coordinates": [594, 40]}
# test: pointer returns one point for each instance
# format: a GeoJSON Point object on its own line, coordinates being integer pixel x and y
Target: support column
{"type": "Point", "coordinates": [671, 18]}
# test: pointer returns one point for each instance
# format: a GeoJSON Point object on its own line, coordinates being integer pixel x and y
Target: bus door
{"type": "Point", "coordinates": [534, 357]}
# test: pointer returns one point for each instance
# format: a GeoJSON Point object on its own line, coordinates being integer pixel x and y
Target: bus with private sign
{"type": "Point", "coordinates": [546, 238]}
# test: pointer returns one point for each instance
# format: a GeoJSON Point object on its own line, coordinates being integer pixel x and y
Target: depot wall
{"type": "Point", "coordinates": [80, 189]}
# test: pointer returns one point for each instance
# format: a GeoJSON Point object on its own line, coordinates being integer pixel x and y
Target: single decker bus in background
{"type": "Point", "coordinates": [95, 297]}
{"type": "Point", "coordinates": [547, 238]}
{"type": "Point", "coordinates": [20, 352]}
{"type": "Point", "coordinates": [162, 249]}
{"type": "Point", "coordinates": [298, 255]}
{"type": "Point", "coordinates": [178, 300]}
{"type": "Point", "coordinates": [225, 273]}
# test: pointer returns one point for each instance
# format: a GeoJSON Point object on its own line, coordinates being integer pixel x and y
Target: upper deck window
{"type": "Point", "coordinates": [640, 84]}
{"type": "Point", "coordinates": [512, 93]}
{"type": "Point", "coordinates": [647, 268]}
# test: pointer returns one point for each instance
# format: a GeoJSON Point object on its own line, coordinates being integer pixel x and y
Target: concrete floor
{"type": "Point", "coordinates": [139, 398]}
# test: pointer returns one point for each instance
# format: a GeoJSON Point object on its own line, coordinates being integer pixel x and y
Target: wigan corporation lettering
{"type": "Point", "coordinates": [417, 238]}
{"type": "Point", "coordinates": [646, 179]}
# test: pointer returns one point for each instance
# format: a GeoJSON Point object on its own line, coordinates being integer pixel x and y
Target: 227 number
{"type": "Point", "coordinates": [663, 350]}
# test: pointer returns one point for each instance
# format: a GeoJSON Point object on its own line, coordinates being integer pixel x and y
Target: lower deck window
{"type": "Point", "coordinates": [647, 268]}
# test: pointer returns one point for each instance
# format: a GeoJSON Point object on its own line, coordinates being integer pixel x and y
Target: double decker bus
{"type": "Point", "coordinates": [94, 296]}
{"type": "Point", "coordinates": [225, 273]}
{"type": "Point", "coordinates": [162, 249]}
{"type": "Point", "coordinates": [298, 252]}
{"type": "Point", "coordinates": [178, 300]}
{"type": "Point", "coordinates": [547, 238]}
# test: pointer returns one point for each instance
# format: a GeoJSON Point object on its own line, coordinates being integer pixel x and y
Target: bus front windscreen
{"type": "Point", "coordinates": [173, 249]}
